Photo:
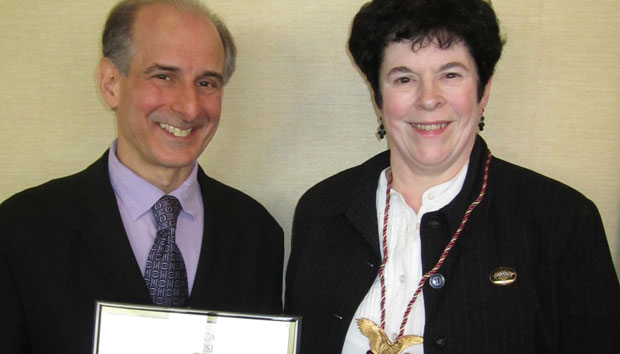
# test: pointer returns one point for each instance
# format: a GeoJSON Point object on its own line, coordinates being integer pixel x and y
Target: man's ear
{"type": "Point", "coordinates": [109, 80]}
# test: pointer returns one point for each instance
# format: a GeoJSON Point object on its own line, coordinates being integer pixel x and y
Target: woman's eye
{"type": "Point", "coordinates": [403, 80]}
{"type": "Point", "coordinates": [452, 75]}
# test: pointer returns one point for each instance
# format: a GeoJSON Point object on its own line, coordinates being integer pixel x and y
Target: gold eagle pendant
{"type": "Point", "coordinates": [379, 341]}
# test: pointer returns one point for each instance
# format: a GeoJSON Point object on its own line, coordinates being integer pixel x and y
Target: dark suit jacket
{"type": "Point", "coordinates": [63, 246]}
{"type": "Point", "coordinates": [566, 298]}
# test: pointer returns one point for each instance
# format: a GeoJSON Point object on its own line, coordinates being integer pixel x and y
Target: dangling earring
{"type": "Point", "coordinates": [481, 123]}
{"type": "Point", "coordinates": [381, 130]}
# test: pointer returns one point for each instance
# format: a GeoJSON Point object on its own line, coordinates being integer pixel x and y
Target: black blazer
{"type": "Point", "coordinates": [63, 246]}
{"type": "Point", "coordinates": [566, 298]}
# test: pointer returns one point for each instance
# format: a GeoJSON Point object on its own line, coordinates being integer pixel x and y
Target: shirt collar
{"type": "Point", "coordinates": [435, 197]}
{"type": "Point", "coordinates": [138, 195]}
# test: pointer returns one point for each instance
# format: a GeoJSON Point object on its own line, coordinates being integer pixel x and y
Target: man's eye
{"type": "Point", "coordinates": [162, 77]}
{"type": "Point", "coordinates": [452, 75]}
{"type": "Point", "coordinates": [206, 84]}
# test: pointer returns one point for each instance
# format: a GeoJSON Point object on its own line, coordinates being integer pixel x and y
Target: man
{"type": "Point", "coordinates": [93, 236]}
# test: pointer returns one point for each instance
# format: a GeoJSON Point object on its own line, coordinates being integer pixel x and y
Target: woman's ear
{"type": "Point", "coordinates": [486, 93]}
{"type": "Point", "coordinates": [109, 79]}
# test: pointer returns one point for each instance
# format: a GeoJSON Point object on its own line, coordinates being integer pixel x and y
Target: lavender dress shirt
{"type": "Point", "coordinates": [135, 196]}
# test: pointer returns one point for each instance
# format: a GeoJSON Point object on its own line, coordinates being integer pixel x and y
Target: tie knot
{"type": "Point", "coordinates": [166, 211]}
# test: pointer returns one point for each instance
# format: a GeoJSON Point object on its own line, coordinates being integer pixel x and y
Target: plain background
{"type": "Point", "coordinates": [297, 110]}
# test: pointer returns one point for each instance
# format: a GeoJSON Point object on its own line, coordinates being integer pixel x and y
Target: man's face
{"type": "Point", "coordinates": [168, 106]}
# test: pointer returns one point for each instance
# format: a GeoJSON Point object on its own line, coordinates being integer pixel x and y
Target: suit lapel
{"type": "Point", "coordinates": [216, 247]}
{"type": "Point", "coordinates": [103, 232]}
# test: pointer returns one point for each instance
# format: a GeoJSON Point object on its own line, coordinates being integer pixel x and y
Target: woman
{"type": "Point", "coordinates": [436, 245]}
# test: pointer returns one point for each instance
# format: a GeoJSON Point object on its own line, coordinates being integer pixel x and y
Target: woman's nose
{"type": "Point", "coordinates": [430, 96]}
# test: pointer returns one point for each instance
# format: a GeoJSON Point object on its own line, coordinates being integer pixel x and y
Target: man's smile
{"type": "Point", "coordinates": [175, 131]}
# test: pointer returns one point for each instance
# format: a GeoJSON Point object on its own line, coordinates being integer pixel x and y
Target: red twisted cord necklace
{"type": "Point", "coordinates": [445, 253]}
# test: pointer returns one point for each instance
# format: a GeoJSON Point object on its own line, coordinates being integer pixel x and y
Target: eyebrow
{"type": "Point", "coordinates": [161, 67]}
{"type": "Point", "coordinates": [170, 68]}
{"type": "Point", "coordinates": [451, 65]}
{"type": "Point", "coordinates": [399, 69]}
{"type": "Point", "coordinates": [214, 74]}
{"type": "Point", "coordinates": [406, 70]}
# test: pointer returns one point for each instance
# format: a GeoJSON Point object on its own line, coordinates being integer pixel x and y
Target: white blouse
{"type": "Point", "coordinates": [404, 268]}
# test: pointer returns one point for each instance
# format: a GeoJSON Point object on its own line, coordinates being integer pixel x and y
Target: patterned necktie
{"type": "Point", "coordinates": [165, 275]}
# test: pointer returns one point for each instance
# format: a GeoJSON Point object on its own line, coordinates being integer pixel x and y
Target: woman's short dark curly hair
{"type": "Point", "coordinates": [442, 22]}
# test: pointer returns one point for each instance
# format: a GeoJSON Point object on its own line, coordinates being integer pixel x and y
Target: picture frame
{"type": "Point", "coordinates": [144, 329]}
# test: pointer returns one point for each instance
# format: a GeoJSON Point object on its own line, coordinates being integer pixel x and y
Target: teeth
{"type": "Point", "coordinates": [174, 130]}
{"type": "Point", "coordinates": [429, 127]}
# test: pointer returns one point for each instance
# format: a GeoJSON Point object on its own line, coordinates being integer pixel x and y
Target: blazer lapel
{"type": "Point", "coordinates": [103, 232]}
{"type": "Point", "coordinates": [451, 216]}
{"type": "Point", "coordinates": [361, 213]}
{"type": "Point", "coordinates": [360, 206]}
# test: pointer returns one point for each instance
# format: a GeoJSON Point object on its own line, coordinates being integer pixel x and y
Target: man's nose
{"type": "Point", "coordinates": [187, 102]}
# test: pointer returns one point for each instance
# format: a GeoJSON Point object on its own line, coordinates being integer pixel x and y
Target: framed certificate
{"type": "Point", "coordinates": [140, 329]}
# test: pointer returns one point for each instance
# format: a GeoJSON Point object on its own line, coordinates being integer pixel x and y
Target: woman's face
{"type": "Point", "coordinates": [430, 107]}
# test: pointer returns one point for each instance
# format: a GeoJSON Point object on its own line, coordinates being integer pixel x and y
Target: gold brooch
{"type": "Point", "coordinates": [503, 276]}
{"type": "Point", "coordinates": [380, 343]}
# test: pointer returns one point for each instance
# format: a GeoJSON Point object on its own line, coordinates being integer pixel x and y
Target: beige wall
{"type": "Point", "coordinates": [297, 110]}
